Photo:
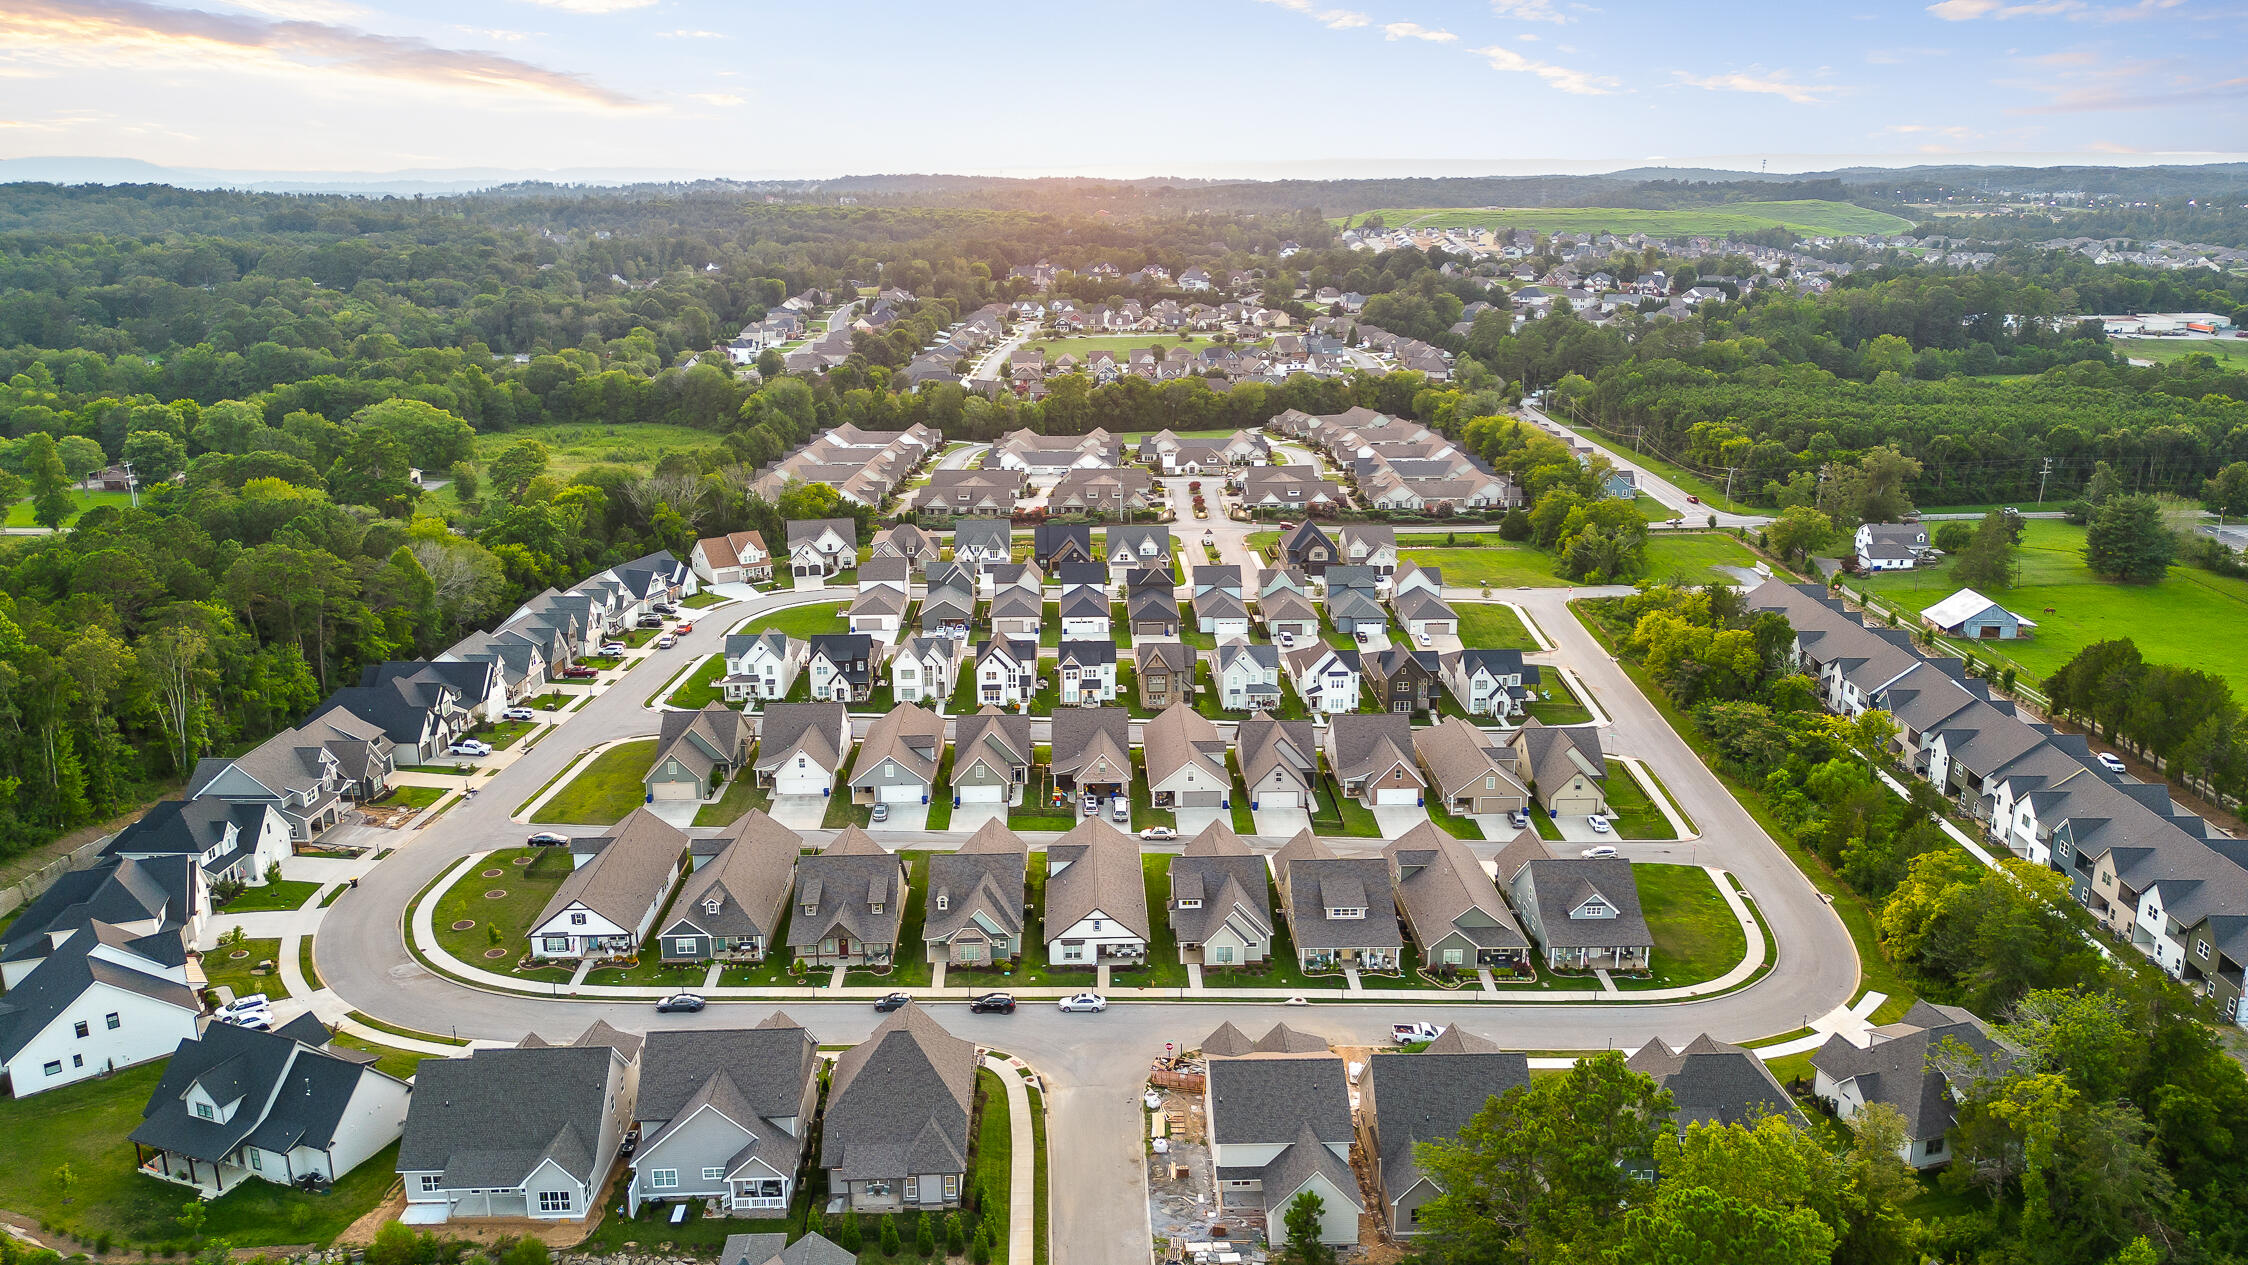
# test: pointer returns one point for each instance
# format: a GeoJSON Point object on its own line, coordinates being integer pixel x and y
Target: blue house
{"type": "Point", "coordinates": [1970, 616]}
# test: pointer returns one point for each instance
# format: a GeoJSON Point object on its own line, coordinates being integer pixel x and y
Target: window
{"type": "Point", "coordinates": [1490, 781]}
{"type": "Point", "coordinates": [1935, 1146]}
{"type": "Point", "coordinates": [54, 1067]}
{"type": "Point", "coordinates": [2201, 949]}
{"type": "Point", "coordinates": [714, 1174]}
{"type": "Point", "coordinates": [951, 1187]}
{"type": "Point", "coordinates": [256, 1162]}
{"type": "Point", "coordinates": [577, 920]}
{"type": "Point", "coordinates": [112, 1021]}
{"type": "Point", "coordinates": [204, 1111]}
{"type": "Point", "coordinates": [80, 1028]}
{"type": "Point", "coordinates": [660, 1179]}
{"type": "Point", "coordinates": [429, 1182]}
{"type": "Point", "coordinates": [554, 1201]}
{"type": "Point", "coordinates": [557, 944]}
{"type": "Point", "coordinates": [683, 945]}
{"type": "Point", "coordinates": [1451, 957]}
{"type": "Point", "coordinates": [78, 1060]}
{"type": "Point", "coordinates": [944, 902]}
{"type": "Point", "coordinates": [1225, 954]}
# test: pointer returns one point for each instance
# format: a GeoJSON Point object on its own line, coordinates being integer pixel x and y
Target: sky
{"type": "Point", "coordinates": [1197, 88]}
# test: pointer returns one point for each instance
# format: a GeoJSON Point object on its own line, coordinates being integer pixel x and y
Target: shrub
{"type": "Point", "coordinates": [850, 1238]}
{"type": "Point", "coordinates": [889, 1237]}
{"type": "Point", "coordinates": [982, 1253]}
{"type": "Point", "coordinates": [925, 1237]}
{"type": "Point", "coordinates": [954, 1239]}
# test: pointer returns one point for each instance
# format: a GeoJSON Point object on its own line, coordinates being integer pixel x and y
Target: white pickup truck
{"type": "Point", "coordinates": [1413, 1033]}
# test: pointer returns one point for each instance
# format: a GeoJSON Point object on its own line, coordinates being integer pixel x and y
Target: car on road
{"type": "Point", "coordinates": [992, 1004]}
{"type": "Point", "coordinates": [1602, 853]}
{"type": "Point", "coordinates": [578, 672]}
{"type": "Point", "coordinates": [469, 746]}
{"type": "Point", "coordinates": [1159, 833]}
{"type": "Point", "coordinates": [1411, 1033]}
{"type": "Point", "coordinates": [890, 1002]}
{"type": "Point", "coordinates": [2110, 761]}
{"type": "Point", "coordinates": [881, 813]}
{"type": "Point", "coordinates": [519, 713]}
{"type": "Point", "coordinates": [253, 1011]}
{"type": "Point", "coordinates": [549, 839]}
{"type": "Point", "coordinates": [680, 1003]}
{"type": "Point", "coordinates": [1084, 1003]}
{"type": "Point", "coordinates": [667, 641]}
{"type": "Point", "coordinates": [1598, 823]}
{"type": "Point", "coordinates": [685, 627]}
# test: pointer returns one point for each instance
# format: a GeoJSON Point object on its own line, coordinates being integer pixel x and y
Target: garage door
{"type": "Point", "coordinates": [791, 784]}
{"type": "Point", "coordinates": [980, 794]}
{"type": "Point", "coordinates": [1279, 799]}
{"type": "Point", "coordinates": [900, 793]}
{"type": "Point", "coordinates": [1406, 796]}
{"type": "Point", "coordinates": [672, 792]}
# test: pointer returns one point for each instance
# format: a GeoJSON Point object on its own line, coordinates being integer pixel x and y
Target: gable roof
{"type": "Point", "coordinates": [1456, 753]}
{"type": "Point", "coordinates": [986, 876]}
{"type": "Point", "coordinates": [1098, 869]}
{"type": "Point", "coordinates": [1561, 884]}
{"type": "Point", "coordinates": [470, 1120]}
{"type": "Point", "coordinates": [763, 1069]}
{"type": "Point", "coordinates": [819, 730]}
{"type": "Point", "coordinates": [1182, 738]}
{"type": "Point", "coordinates": [841, 883]}
{"type": "Point", "coordinates": [626, 875]}
{"type": "Point", "coordinates": [1427, 1097]}
{"type": "Point", "coordinates": [1445, 890]}
{"type": "Point", "coordinates": [898, 1102]}
{"type": "Point", "coordinates": [1711, 1082]}
{"type": "Point", "coordinates": [911, 735]}
{"type": "Point", "coordinates": [1257, 1100]}
{"type": "Point", "coordinates": [749, 877]}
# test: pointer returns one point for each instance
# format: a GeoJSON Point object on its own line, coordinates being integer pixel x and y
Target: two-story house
{"type": "Point", "coordinates": [1895, 1067]}
{"type": "Point", "coordinates": [822, 547]}
{"type": "Point", "coordinates": [1340, 910]}
{"type": "Point", "coordinates": [1165, 673]}
{"type": "Point", "coordinates": [1411, 1099]}
{"type": "Point", "coordinates": [1092, 753]}
{"type": "Point", "coordinates": [1326, 677]}
{"type": "Point", "coordinates": [1247, 675]}
{"type": "Point", "coordinates": [1006, 671]}
{"type": "Point", "coordinates": [1087, 670]}
{"type": "Point", "coordinates": [900, 1111]}
{"type": "Point", "coordinates": [991, 758]}
{"type": "Point", "coordinates": [1280, 1125]}
{"type": "Point", "coordinates": [735, 558]}
{"type": "Point", "coordinates": [1220, 908]}
{"type": "Point", "coordinates": [724, 1114]}
{"type": "Point", "coordinates": [732, 903]}
{"type": "Point", "coordinates": [925, 668]}
{"type": "Point", "coordinates": [1494, 683]}
{"type": "Point", "coordinates": [842, 667]}
{"type": "Point", "coordinates": [975, 914]}
{"type": "Point", "coordinates": [1400, 680]}
{"type": "Point", "coordinates": [1451, 907]}
{"type": "Point", "coordinates": [1582, 912]}
{"type": "Point", "coordinates": [762, 667]}
{"type": "Point", "coordinates": [850, 901]}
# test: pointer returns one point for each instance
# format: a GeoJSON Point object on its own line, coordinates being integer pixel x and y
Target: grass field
{"type": "Point", "coordinates": [1695, 555]}
{"type": "Point", "coordinates": [1687, 481]}
{"type": "Point", "coordinates": [19, 514]}
{"type": "Point", "coordinates": [700, 688]}
{"type": "Point", "coordinates": [2179, 620]}
{"type": "Point", "coordinates": [524, 889]}
{"type": "Point", "coordinates": [1496, 562]}
{"type": "Point", "coordinates": [224, 970]}
{"type": "Point", "coordinates": [1489, 626]}
{"type": "Point", "coordinates": [573, 449]}
{"type": "Point", "coordinates": [1696, 936]}
{"type": "Point", "coordinates": [2232, 351]}
{"type": "Point", "coordinates": [286, 894]}
{"type": "Point", "coordinates": [605, 789]}
{"type": "Point", "coordinates": [1802, 215]}
{"type": "Point", "coordinates": [799, 621]}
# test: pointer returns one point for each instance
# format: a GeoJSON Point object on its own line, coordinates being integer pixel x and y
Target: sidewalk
{"type": "Point", "coordinates": [1022, 1163]}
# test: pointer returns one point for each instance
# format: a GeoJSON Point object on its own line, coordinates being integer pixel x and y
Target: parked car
{"type": "Point", "coordinates": [1423, 640]}
{"type": "Point", "coordinates": [519, 713]}
{"type": "Point", "coordinates": [1287, 641]}
{"type": "Point", "coordinates": [891, 1001]}
{"type": "Point", "coordinates": [1159, 832]}
{"type": "Point", "coordinates": [1412, 1033]}
{"type": "Point", "coordinates": [1598, 823]}
{"type": "Point", "coordinates": [1084, 1003]}
{"type": "Point", "coordinates": [1092, 805]}
{"type": "Point", "coordinates": [253, 1011]}
{"type": "Point", "coordinates": [614, 647]}
{"type": "Point", "coordinates": [578, 672]}
{"type": "Point", "coordinates": [2110, 761]}
{"type": "Point", "coordinates": [664, 608]}
{"type": "Point", "coordinates": [682, 1003]}
{"type": "Point", "coordinates": [881, 813]}
{"type": "Point", "coordinates": [549, 839]}
{"type": "Point", "coordinates": [1601, 853]}
{"type": "Point", "coordinates": [469, 746]}
{"type": "Point", "coordinates": [650, 621]}
{"type": "Point", "coordinates": [992, 1004]}
{"type": "Point", "coordinates": [667, 641]}
{"type": "Point", "coordinates": [1364, 638]}
{"type": "Point", "coordinates": [1120, 809]}
{"type": "Point", "coordinates": [1519, 818]}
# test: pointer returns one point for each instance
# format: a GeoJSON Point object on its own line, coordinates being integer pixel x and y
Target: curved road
{"type": "Point", "coordinates": [1096, 1064]}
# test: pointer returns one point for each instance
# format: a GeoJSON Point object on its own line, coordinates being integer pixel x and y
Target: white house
{"type": "Point", "coordinates": [1247, 675]}
{"type": "Point", "coordinates": [1088, 672]}
{"type": "Point", "coordinates": [102, 999]}
{"type": "Point", "coordinates": [607, 906]}
{"type": "Point", "coordinates": [1891, 546]}
{"type": "Point", "coordinates": [925, 668]}
{"type": "Point", "coordinates": [820, 547]}
{"type": "Point", "coordinates": [1326, 678]}
{"type": "Point", "coordinates": [762, 666]}
{"type": "Point", "coordinates": [1006, 672]}
{"type": "Point", "coordinates": [801, 747]}
{"type": "Point", "coordinates": [1085, 614]}
{"type": "Point", "coordinates": [1493, 683]}
{"type": "Point", "coordinates": [1096, 898]}
{"type": "Point", "coordinates": [1279, 1115]}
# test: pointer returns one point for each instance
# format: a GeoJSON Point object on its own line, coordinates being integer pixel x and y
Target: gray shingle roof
{"type": "Point", "coordinates": [749, 877]}
{"type": "Point", "coordinates": [1896, 1069]}
{"type": "Point", "coordinates": [841, 880]}
{"type": "Point", "coordinates": [628, 873]}
{"type": "Point", "coordinates": [1260, 1099]}
{"type": "Point", "coordinates": [292, 1092]}
{"type": "Point", "coordinates": [1444, 890]}
{"type": "Point", "coordinates": [766, 1069]}
{"type": "Point", "coordinates": [983, 876]}
{"type": "Point", "coordinates": [1426, 1097]}
{"type": "Point", "coordinates": [1559, 884]}
{"type": "Point", "coordinates": [471, 1120]}
{"type": "Point", "coordinates": [898, 1102]}
{"type": "Point", "coordinates": [1713, 1082]}
{"type": "Point", "coordinates": [1101, 871]}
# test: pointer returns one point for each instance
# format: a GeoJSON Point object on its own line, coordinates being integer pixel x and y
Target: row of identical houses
{"type": "Point", "coordinates": [1398, 465]}
{"type": "Point", "coordinates": [100, 970]}
{"type": "Point", "coordinates": [865, 467]}
{"type": "Point", "coordinates": [2153, 874]}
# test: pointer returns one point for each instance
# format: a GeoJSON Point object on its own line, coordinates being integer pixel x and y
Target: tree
{"type": "Point", "coordinates": [50, 482]}
{"type": "Point", "coordinates": [2128, 540]}
{"type": "Point", "coordinates": [195, 1212]}
{"type": "Point", "coordinates": [1798, 530]}
{"type": "Point", "coordinates": [526, 1251]}
{"type": "Point", "coordinates": [1698, 1226]}
{"type": "Point", "coordinates": [1988, 560]}
{"type": "Point", "coordinates": [179, 669]}
{"type": "Point", "coordinates": [154, 455]}
{"type": "Point", "coordinates": [850, 1238]}
{"type": "Point", "coordinates": [888, 1237]}
{"type": "Point", "coordinates": [2227, 493]}
{"type": "Point", "coordinates": [1304, 1246]}
{"type": "Point", "coordinates": [515, 467]}
{"type": "Point", "coordinates": [81, 456]}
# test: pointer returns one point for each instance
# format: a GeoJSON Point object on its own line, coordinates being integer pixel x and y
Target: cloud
{"type": "Point", "coordinates": [594, 6]}
{"type": "Point", "coordinates": [1415, 31]}
{"type": "Point", "coordinates": [2131, 93]}
{"type": "Point", "coordinates": [1899, 56]}
{"type": "Point", "coordinates": [1577, 82]}
{"type": "Point", "coordinates": [1768, 85]}
{"type": "Point", "coordinates": [718, 98]}
{"type": "Point", "coordinates": [1332, 19]}
{"type": "Point", "coordinates": [300, 10]}
{"type": "Point", "coordinates": [685, 34]}
{"type": "Point", "coordinates": [2074, 10]}
{"type": "Point", "coordinates": [1954, 130]}
{"type": "Point", "coordinates": [494, 33]}
{"type": "Point", "coordinates": [106, 34]}
{"type": "Point", "coordinates": [2078, 57]}
{"type": "Point", "coordinates": [1529, 11]}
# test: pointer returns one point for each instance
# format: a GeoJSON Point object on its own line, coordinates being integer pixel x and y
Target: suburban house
{"type": "Point", "coordinates": [731, 904]}
{"type": "Point", "coordinates": [900, 1109]}
{"type": "Point", "coordinates": [1247, 675]}
{"type": "Point", "coordinates": [697, 753]}
{"type": "Point", "coordinates": [1092, 752]}
{"type": "Point", "coordinates": [1279, 761]}
{"type": "Point", "coordinates": [762, 666]}
{"type": "Point", "coordinates": [1219, 612]}
{"type": "Point", "coordinates": [1452, 909]}
{"type": "Point", "coordinates": [1088, 672]}
{"type": "Point", "coordinates": [1006, 671]}
{"type": "Point", "coordinates": [1340, 910]}
{"type": "Point", "coordinates": [419, 707]}
{"type": "Point", "coordinates": [821, 547]}
{"type": "Point", "coordinates": [96, 971]}
{"type": "Point", "coordinates": [949, 604]}
{"type": "Point", "coordinates": [1219, 908]}
{"type": "Point", "coordinates": [1372, 759]}
{"type": "Point", "coordinates": [1151, 606]}
{"type": "Point", "coordinates": [801, 747]}
{"type": "Point", "coordinates": [1325, 677]}
{"type": "Point", "coordinates": [301, 779]}
{"type": "Point", "coordinates": [1280, 1124]}
{"type": "Point", "coordinates": [725, 1114]}
{"type": "Point", "coordinates": [1409, 1099]}
{"type": "Point", "coordinates": [234, 844]}
{"type": "Point", "coordinates": [1184, 756]}
{"type": "Point", "coordinates": [1970, 616]}
{"type": "Point", "coordinates": [608, 904]}
{"type": "Point", "coordinates": [955, 492]}
{"type": "Point", "coordinates": [904, 540]}
{"type": "Point", "coordinates": [1895, 1068]}
{"type": "Point", "coordinates": [898, 758]}
{"type": "Point", "coordinates": [924, 669]}
{"type": "Point", "coordinates": [1712, 1082]}
{"type": "Point", "coordinates": [1401, 680]}
{"type": "Point", "coordinates": [1132, 547]}
{"type": "Point", "coordinates": [1367, 545]}
{"type": "Point", "coordinates": [879, 609]}
{"type": "Point", "coordinates": [280, 1106]}
{"type": "Point", "coordinates": [975, 916]}
{"type": "Point", "coordinates": [1017, 610]}
{"type": "Point", "coordinates": [1582, 912]}
{"type": "Point", "coordinates": [1084, 614]}
{"type": "Point", "coordinates": [1353, 600]}
{"type": "Point", "coordinates": [1165, 673]}
{"type": "Point", "coordinates": [1096, 898]}
{"type": "Point", "coordinates": [850, 900]}
{"type": "Point", "coordinates": [737, 558]}
{"type": "Point", "coordinates": [1892, 546]}
{"type": "Point", "coordinates": [1494, 683]}
{"type": "Point", "coordinates": [981, 542]}
{"type": "Point", "coordinates": [477, 1145]}
{"type": "Point", "coordinates": [1055, 543]}
{"type": "Point", "coordinates": [1563, 766]}
{"type": "Point", "coordinates": [1288, 613]}
{"type": "Point", "coordinates": [1423, 613]}
{"type": "Point", "coordinates": [991, 758]}
{"type": "Point", "coordinates": [842, 666]}
{"type": "Point", "coordinates": [1307, 547]}
{"type": "Point", "coordinates": [813, 1248]}
{"type": "Point", "coordinates": [1471, 772]}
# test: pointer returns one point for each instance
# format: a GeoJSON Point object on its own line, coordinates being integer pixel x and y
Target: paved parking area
{"type": "Point", "coordinates": [1576, 829]}
{"type": "Point", "coordinates": [1282, 823]}
{"type": "Point", "coordinates": [1396, 820]}
{"type": "Point", "coordinates": [969, 818]}
{"type": "Point", "coordinates": [800, 812]}
{"type": "Point", "coordinates": [1193, 821]}
{"type": "Point", "coordinates": [904, 817]}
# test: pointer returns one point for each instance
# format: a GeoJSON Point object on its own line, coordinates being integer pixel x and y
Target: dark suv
{"type": "Point", "coordinates": [992, 1004]}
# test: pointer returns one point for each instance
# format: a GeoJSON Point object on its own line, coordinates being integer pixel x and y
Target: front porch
{"type": "Point", "coordinates": [553, 948]}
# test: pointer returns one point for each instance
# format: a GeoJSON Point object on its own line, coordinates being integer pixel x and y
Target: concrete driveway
{"type": "Point", "coordinates": [1395, 820]}
{"type": "Point", "coordinates": [1282, 823]}
{"type": "Point", "coordinates": [970, 818]}
{"type": "Point", "coordinates": [913, 817]}
{"type": "Point", "coordinates": [799, 812]}
{"type": "Point", "coordinates": [1576, 829]}
{"type": "Point", "coordinates": [678, 812]}
{"type": "Point", "coordinates": [1193, 821]}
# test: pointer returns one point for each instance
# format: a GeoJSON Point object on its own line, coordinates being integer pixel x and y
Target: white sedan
{"type": "Point", "coordinates": [1157, 833]}
{"type": "Point", "coordinates": [1088, 1003]}
{"type": "Point", "coordinates": [1598, 823]}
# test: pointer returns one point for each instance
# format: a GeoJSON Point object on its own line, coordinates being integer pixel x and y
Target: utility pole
{"type": "Point", "coordinates": [132, 485]}
{"type": "Point", "coordinates": [2041, 477]}
{"type": "Point", "coordinates": [1729, 484]}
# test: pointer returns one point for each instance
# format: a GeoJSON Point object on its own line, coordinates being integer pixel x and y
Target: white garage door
{"type": "Point", "coordinates": [1405, 796]}
{"type": "Point", "coordinates": [980, 794]}
{"type": "Point", "coordinates": [793, 783]}
{"type": "Point", "coordinates": [1279, 799]}
{"type": "Point", "coordinates": [901, 793]}
{"type": "Point", "coordinates": [673, 791]}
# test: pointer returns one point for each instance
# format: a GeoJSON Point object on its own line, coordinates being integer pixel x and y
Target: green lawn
{"type": "Point", "coordinates": [740, 795]}
{"type": "Point", "coordinates": [2182, 619]}
{"type": "Point", "coordinates": [1499, 563]}
{"type": "Point", "coordinates": [224, 970]}
{"type": "Point", "coordinates": [1446, 821]}
{"type": "Point", "coordinates": [19, 514]}
{"type": "Point", "coordinates": [1696, 935]}
{"type": "Point", "coordinates": [1634, 814]}
{"type": "Point", "coordinates": [1687, 481]}
{"type": "Point", "coordinates": [1805, 215]}
{"type": "Point", "coordinates": [704, 600]}
{"type": "Point", "coordinates": [700, 688]}
{"type": "Point", "coordinates": [1031, 969]}
{"type": "Point", "coordinates": [1120, 346]}
{"type": "Point", "coordinates": [800, 621]}
{"type": "Point", "coordinates": [1489, 626]}
{"type": "Point", "coordinates": [499, 922]}
{"type": "Point", "coordinates": [416, 797]}
{"type": "Point", "coordinates": [2232, 353]}
{"type": "Point", "coordinates": [1338, 814]}
{"type": "Point", "coordinates": [1563, 708]}
{"type": "Point", "coordinates": [605, 789]}
{"type": "Point", "coordinates": [502, 734]}
{"type": "Point", "coordinates": [286, 894]}
{"type": "Point", "coordinates": [85, 1126]}
{"type": "Point", "coordinates": [1696, 555]}
{"type": "Point", "coordinates": [572, 449]}
{"type": "Point", "coordinates": [1163, 969]}
{"type": "Point", "coordinates": [402, 1064]}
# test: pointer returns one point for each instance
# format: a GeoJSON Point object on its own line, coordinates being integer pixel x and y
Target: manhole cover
{"type": "Point", "coordinates": [496, 893]}
{"type": "Point", "coordinates": [523, 860]}
{"type": "Point", "coordinates": [495, 953]}
{"type": "Point", "coordinates": [493, 873]}
{"type": "Point", "coordinates": [464, 924]}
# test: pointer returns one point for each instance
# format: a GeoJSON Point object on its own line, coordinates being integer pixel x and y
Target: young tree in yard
{"type": "Point", "coordinates": [2127, 540]}
{"type": "Point", "coordinates": [49, 481]}
{"type": "Point", "coordinates": [1304, 1246]}
{"type": "Point", "coordinates": [1798, 530]}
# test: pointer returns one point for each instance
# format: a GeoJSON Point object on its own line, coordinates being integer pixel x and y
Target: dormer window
{"type": "Point", "coordinates": [944, 902]}
{"type": "Point", "coordinates": [711, 906]}
{"type": "Point", "coordinates": [1348, 912]}
{"type": "Point", "coordinates": [876, 907]}
{"type": "Point", "coordinates": [204, 1111]}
